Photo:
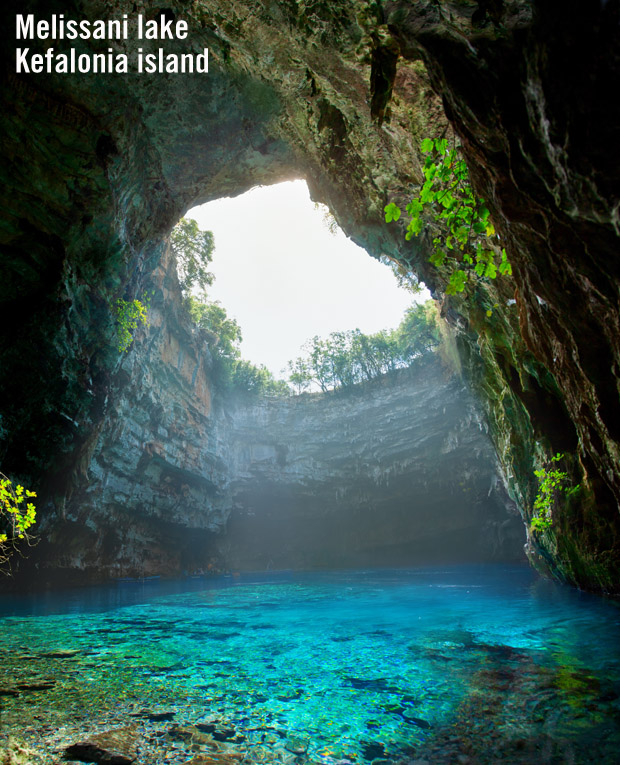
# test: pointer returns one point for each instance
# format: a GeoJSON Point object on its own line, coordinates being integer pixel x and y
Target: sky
{"type": "Point", "coordinates": [285, 278]}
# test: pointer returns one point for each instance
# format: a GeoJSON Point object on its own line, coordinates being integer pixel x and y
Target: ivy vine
{"type": "Point", "coordinates": [551, 481]}
{"type": "Point", "coordinates": [466, 233]}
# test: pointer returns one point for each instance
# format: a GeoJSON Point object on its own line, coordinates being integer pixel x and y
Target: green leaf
{"type": "Point", "coordinates": [392, 212]}
{"type": "Point", "coordinates": [427, 194]}
{"type": "Point", "coordinates": [461, 234]}
{"type": "Point", "coordinates": [438, 257]}
{"type": "Point", "coordinates": [426, 145]}
{"type": "Point", "coordinates": [414, 207]}
{"type": "Point", "coordinates": [505, 268]}
{"type": "Point", "coordinates": [491, 270]}
{"type": "Point", "coordinates": [414, 227]}
{"type": "Point", "coordinates": [441, 144]}
{"type": "Point", "coordinates": [430, 171]}
{"type": "Point", "coordinates": [447, 200]}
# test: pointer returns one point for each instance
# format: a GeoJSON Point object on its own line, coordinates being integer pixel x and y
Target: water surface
{"type": "Point", "coordinates": [491, 664]}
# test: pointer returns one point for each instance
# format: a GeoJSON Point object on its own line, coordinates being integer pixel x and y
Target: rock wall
{"type": "Point", "coordinates": [526, 86]}
{"type": "Point", "coordinates": [97, 169]}
{"type": "Point", "coordinates": [399, 471]}
{"type": "Point", "coordinates": [147, 492]}
{"type": "Point", "coordinates": [395, 472]}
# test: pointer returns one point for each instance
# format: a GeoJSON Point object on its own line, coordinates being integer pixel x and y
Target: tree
{"type": "Point", "coordinates": [418, 332]}
{"type": "Point", "coordinates": [405, 278]}
{"type": "Point", "coordinates": [212, 317]}
{"type": "Point", "coordinates": [193, 250]}
{"type": "Point", "coordinates": [231, 372]}
{"type": "Point", "coordinates": [299, 375]}
{"type": "Point", "coordinates": [247, 378]}
{"type": "Point", "coordinates": [347, 358]}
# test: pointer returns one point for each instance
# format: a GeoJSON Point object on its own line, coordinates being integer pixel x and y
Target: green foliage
{"type": "Point", "coordinates": [466, 234]}
{"type": "Point", "coordinates": [231, 373]}
{"type": "Point", "coordinates": [418, 333]}
{"type": "Point", "coordinates": [193, 250]}
{"type": "Point", "coordinates": [392, 212]}
{"type": "Point", "coordinates": [212, 317]}
{"type": "Point", "coordinates": [17, 515]}
{"type": "Point", "coordinates": [347, 358]}
{"type": "Point", "coordinates": [249, 379]}
{"type": "Point", "coordinates": [128, 314]}
{"type": "Point", "coordinates": [300, 375]}
{"type": "Point", "coordinates": [551, 482]}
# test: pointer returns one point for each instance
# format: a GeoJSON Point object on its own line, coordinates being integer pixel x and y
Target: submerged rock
{"type": "Point", "coordinates": [113, 747]}
{"type": "Point", "coordinates": [36, 685]}
{"type": "Point", "coordinates": [62, 653]}
{"type": "Point", "coordinates": [297, 744]}
{"type": "Point", "coordinates": [215, 759]}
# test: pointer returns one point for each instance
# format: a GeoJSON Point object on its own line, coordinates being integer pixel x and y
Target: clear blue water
{"type": "Point", "coordinates": [491, 663]}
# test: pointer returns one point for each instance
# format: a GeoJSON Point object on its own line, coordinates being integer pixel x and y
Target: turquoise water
{"type": "Point", "coordinates": [490, 663]}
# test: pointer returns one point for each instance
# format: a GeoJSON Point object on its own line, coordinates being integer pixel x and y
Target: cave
{"type": "Point", "coordinates": [140, 469]}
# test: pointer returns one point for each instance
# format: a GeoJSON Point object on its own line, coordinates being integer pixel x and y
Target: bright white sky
{"type": "Point", "coordinates": [285, 278]}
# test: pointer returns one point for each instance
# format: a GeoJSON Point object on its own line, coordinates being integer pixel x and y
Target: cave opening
{"type": "Point", "coordinates": [392, 468]}
{"type": "Point", "coordinates": [285, 272]}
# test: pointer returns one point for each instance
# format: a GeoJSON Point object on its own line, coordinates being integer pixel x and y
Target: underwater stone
{"type": "Point", "coordinates": [297, 744]}
{"type": "Point", "coordinates": [67, 653]}
{"type": "Point", "coordinates": [113, 747]}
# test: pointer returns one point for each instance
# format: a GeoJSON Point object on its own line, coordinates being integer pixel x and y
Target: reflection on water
{"type": "Point", "coordinates": [489, 663]}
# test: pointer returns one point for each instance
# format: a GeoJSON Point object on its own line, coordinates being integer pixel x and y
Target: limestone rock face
{"type": "Point", "coordinates": [147, 494]}
{"type": "Point", "coordinates": [98, 168]}
{"type": "Point", "coordinates": [398, 471]}
{"type": "Point", "coordinates": [526, 88]}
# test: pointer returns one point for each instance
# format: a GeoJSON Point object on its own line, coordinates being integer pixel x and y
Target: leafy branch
{"type": "Point", "coordinates": [551, 481]}
{"type": "Point", "coordinates": [17, 515]}
{"type": "Point", "coordinates": [466, 233]}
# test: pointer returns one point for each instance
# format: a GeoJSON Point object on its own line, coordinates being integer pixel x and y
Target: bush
{"type": "Point", "coordinates": [17, 515]}
{"type": "Point", "coordinates": [128, 314]}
